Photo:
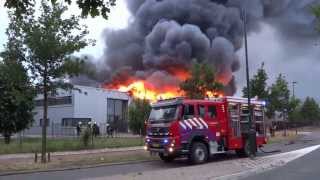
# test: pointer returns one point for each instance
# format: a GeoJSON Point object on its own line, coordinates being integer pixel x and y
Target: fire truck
{"type": "Point", "coordinates": [198, 129]}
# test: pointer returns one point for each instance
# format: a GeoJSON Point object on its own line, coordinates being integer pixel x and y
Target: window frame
{"type": "Point", "coordinates": [215, 111]}
{"type": "Point", "coordinates": [183, 111]}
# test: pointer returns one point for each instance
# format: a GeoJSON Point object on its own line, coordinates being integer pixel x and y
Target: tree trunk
{"type": "Point", "coordinates": [44, 120]}
{"type": "Point", "coordinates": [7, 138]}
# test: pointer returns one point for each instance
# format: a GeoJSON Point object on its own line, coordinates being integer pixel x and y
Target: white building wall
{"type": "Point", "coordinates": [55, 114]}
{"type": "Point", "coordinates": [91, 103]}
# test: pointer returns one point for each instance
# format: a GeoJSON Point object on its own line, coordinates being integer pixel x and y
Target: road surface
{"type": "Point", "coordinates": [306, 167]}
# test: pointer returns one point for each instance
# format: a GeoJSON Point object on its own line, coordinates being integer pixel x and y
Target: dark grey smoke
{"type": "Point", "coordinates": [167, 35]}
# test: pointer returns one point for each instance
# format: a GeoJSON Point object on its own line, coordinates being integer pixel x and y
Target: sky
{"type": "Point", "coordinates": [298, 62]}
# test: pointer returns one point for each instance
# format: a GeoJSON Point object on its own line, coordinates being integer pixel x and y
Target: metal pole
{"type": "Point", "coordinates": [293, 95]}
{"type": "Point", "coordinates": [252, 133]}
{"type": "Point", "coordinates": [293, 86]}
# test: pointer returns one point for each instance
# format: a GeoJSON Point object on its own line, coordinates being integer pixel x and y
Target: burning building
{"type": "Point", "coordinates": [154, 53]}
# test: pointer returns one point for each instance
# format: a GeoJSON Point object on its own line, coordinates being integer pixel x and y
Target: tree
{"type": "Point", "coordinates": [92, 7]}
{"type": "Point", "coordinates": [310, 111]}
{"type": "Point", "coordinates": [201, 80]}
{"type": "Point", "coordinates": [16, 89]}
{"type": "Point", "coordinates": [294, 110]}
{"type": "Point", "coordinates": [258, 85]}
{"type": "Point", "coordinates": [316, 12]}
{"type": "Point", "coordinates": [279, 97]}
{"type": "Point", "coordinates": [139, 111]}
{"type": "Point", "coordinates": [48, 44]}
{"type": "Point", "coordinates": [16, 100]}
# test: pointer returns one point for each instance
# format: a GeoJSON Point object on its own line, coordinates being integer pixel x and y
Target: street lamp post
{"type": "Point", "coordinates": [293, 96]}
{"type": "Point", "coordinates": [251, 138]}
{"type": "Point", "coordinates": [293, 86]}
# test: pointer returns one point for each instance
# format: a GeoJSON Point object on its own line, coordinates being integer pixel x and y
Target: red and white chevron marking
{"type": "Point", "coordinates": [195, 122]}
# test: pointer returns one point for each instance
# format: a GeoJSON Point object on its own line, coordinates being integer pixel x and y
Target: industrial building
{"type": "Point", "coordinates": [81, 104]}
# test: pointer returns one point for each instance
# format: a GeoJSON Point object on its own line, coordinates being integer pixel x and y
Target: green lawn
{"type": "Point", "coordinates": [66, 144]}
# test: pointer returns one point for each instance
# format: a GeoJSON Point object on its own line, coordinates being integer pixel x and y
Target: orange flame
{"type": "Point", "coordinates": [212, 94]}
{"type": "Point", "coordinates": [139, 89]}
{"type": "Point", "coordinates": [142, 89]}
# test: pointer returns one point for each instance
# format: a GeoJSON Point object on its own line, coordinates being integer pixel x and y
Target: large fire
{"type": "Point", "coordinates": [144, 90]}
{"type": "Point", "coordinates": [150, 90]}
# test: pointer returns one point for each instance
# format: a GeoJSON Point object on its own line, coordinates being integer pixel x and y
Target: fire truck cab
{"type": "Point", "coordinates": [200, 128]}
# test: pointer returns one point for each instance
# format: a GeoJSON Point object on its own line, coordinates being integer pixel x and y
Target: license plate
{"type": "Point", "coordinates": [156, 145]}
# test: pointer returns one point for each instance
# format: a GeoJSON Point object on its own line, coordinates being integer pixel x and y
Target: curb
{"type": "Point", "coordinates": [72, 168]}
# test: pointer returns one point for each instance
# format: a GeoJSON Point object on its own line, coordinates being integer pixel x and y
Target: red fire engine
{"type": "Point", "coordinates": [200, 128]}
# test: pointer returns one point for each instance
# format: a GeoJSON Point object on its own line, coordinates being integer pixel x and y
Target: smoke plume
{"type": "Point", "coordinates": [166, 36]}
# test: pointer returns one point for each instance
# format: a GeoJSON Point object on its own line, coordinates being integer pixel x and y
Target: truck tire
{"type": "Point", "coordinates": [245, 152]}
{"type": "Point", "coordinates": [166, 159]}
{"type": "Point", "coordinates": [199, 153]}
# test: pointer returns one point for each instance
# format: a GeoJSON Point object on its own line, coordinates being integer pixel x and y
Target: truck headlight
{"type": "Point", "coordinates": [170, 149]}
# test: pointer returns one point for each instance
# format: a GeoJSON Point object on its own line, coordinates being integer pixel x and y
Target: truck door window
{"type": "Point", "coordinates": [212, 111]}
{"type": "Point", "coordinates": [188, 111]}
{"type": "Point", "coordinates": [201, 110]}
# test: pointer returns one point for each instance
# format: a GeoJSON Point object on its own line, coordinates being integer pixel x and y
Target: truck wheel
{"type": "Point", "coordinates": [245, 152]}
{"type": "Point", "coordinates": [166, 158]}
{"type": "Point", "coordinates": [199, 153]}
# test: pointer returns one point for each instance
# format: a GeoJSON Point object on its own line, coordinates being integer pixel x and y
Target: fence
{"type": "Point", "coordinates": [57, 130]}
{"type": "Point", "coordinates": [53, 130]}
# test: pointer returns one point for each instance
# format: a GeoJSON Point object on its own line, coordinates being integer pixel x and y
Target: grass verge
{"type": "Point", "coordinates": [74, 161]}
{"type": "Point", "coordinates": [279, 137]}
{"type": "Point", "coordinates": [30, 145]}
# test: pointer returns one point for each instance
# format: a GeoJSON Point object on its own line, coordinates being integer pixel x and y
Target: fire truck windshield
{"type": "Point", "coordinates": [163, 114]}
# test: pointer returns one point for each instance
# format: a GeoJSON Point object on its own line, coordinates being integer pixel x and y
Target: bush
{"type": "Point", "coordinates": [138, 113]}
{"type": "Point", "coordinates": [85, 138]}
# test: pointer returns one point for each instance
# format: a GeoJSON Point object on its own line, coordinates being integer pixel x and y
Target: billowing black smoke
{"type": "Point", "coordinates": [166, 36]}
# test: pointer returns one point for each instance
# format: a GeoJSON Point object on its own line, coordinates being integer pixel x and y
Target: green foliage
{"type": "Point", "coordinates": [258, 85]}
{"type": "Point", "coordinates": [88, 7]}
{"type": "Point", "coordinates": [85, 137]}
{"type": "Point", "coordinates": [294, 110]}
{"type": "Point", "coordinates": [310, 111]}
{"type": "Point", "coordinates": [45, 44]}
{"type": "Point", "coordinates": [48, 44]}
{"type": "Point", "coordinates": [316, 12]}
{"type": "Point", "coordinates": [279, 96]}
{"type": "Point", "coordinates": [139, 111]}
{"type": "Point", "coordinates": [17, 92]}
{"type": "Point", "coordinates": [16, 100]}
{"type": "Point", "coordinates": [201, 80]}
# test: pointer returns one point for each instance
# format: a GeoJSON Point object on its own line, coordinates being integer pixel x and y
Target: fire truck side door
{"type": "Point", "coordinates": [211, 118]}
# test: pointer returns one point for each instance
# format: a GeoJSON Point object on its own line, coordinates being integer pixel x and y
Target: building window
{"type": "Point", "coordinates": [74, 121]}
{"type": "Point", "coordinates": [117, 110]}
{"type": "Point", "coordinates": [41, 121]}
{"type": "Point", "coordinates": [53, 101]}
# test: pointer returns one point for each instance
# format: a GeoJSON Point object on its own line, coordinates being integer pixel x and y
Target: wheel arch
{"type": "Point", "coordinates": [199, 138]}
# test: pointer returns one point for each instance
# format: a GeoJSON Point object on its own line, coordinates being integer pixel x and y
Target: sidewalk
{"type": "Point", "coordinates": [65, 153]}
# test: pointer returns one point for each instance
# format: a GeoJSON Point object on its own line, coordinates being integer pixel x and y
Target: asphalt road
{"type": "Point", "coordinates": [307, 140]}
{"type": "Point", "coordinates": [306, 167]}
